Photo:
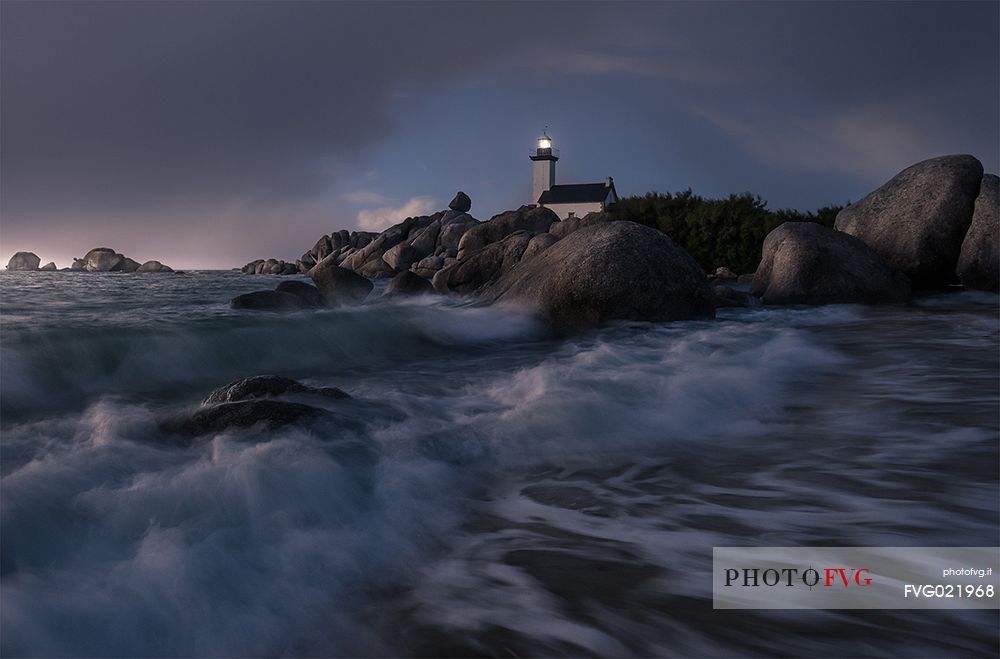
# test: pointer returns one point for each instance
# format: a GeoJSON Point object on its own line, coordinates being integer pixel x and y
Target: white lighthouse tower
{"type": "Point", "coordinates": [544, 168]}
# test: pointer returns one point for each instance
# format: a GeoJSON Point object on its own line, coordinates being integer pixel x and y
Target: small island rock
{"type": "Point", "coordinates": [24, 261]}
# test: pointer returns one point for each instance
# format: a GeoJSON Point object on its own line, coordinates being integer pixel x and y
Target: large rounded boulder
{"type": "Point", "coordinates": [339, 286]}
{"type": "Point", "coordinates": [917, 221]}
{"type": "Point", "coordinates": [806, 263]}
{"type": "Point", "coordinates": [979, 261]}
{"type": "Point", "coordinates": [607, 271]}
{"type": "Point", "coordinates": [24, 261]}
{"type": "Point", "coordinates": [103, 259]}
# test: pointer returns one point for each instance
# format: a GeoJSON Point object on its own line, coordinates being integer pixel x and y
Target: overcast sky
{"type": "Point", "coordinates": [208, 134]}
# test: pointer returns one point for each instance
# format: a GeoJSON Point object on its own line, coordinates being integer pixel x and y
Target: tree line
{"type": "Point", "coordinates": [716, 232]}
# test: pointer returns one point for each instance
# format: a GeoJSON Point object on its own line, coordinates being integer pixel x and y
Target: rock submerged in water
{"type": "Point", "coordinates": [607, 271]}
{"type": "Point", "coordinates": [308, 293]}
{"type": "Point", "coordinates": [24, 261]}
{"type": "Point", "coordinates": [250, 401]}
{"type": "Point", "coordinates": [806, 263]}
{"type": "Point", "coordinates": [243, 414]}
{"type": "Point", "coordinates": [263, 386]}
{"type": "Point", "coordinates": [268, 301]}
{"type": "Point", "coordinates": [917, 221]}
{"type": "Point", "coordinates": [979, 261]}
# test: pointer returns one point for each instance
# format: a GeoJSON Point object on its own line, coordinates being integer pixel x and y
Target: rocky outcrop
{"type": "Point", "coordinates": [533, 219]}
{"type": "Point", "coordinates": [268, 301]}
{"type": "Point", "coordinates": [806, 263]}
{"type": "Point", "coordinates": [917, 221]}
{"type": "Point", "coordinates": [49, 267]}
{"type": "Point", "coordinates": [338, 285]}
{"type": "Point", "coordinates": [154, 266]}
{"type": "Point", "coordinates": [607, 271]}
{"type": "Point", "coordinates": [266, 386]}
{"type": "Point", "coordinates": [979, 260]}
{"type": "Point", "coordinates": [461, 203]}
{"type": "Point", "coordinates": [103, 259]}
{"type": "Point", "coordinates": [408, 283]}
{"type": "Point", "coordinates": [270, 267]}
{"type": "Point", "coordinates": [745, 279]}
{"type": "Point", "coordinates": [483, 266]}
{"type": "Point", "coordinates": [24, 261]}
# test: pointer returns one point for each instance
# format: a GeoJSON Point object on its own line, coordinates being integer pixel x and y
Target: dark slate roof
{"type": "Point", "coordinates": [579, 193]}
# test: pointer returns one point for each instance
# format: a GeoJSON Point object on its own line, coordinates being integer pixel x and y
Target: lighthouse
{"type": "Point", "coordinates": [544, 160]}
{"type": "Point", "coordinates": [573, 200]}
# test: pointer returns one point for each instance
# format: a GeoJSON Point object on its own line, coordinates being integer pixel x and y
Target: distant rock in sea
{"type": "Point", "coordinates": [24, 261]}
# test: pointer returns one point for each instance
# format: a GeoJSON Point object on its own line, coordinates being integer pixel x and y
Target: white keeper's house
{"type": "Point", "coordinates": [571, 200]}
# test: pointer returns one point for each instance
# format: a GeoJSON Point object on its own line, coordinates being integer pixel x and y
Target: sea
{"type": "Point", "coordinates": [528, 494]}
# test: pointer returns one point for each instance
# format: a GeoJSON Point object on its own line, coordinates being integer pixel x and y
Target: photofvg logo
{"type": "Point", "coordinates": [751, 577]}
{"type": "Point", "coordinates": [855, 577]}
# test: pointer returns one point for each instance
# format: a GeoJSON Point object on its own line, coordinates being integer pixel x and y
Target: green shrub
{"type": "Point", "coordinates": [716, 232]}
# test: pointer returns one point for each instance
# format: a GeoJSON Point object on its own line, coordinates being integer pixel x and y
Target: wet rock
{"type": "Point", "coordinates": [24, 261]}
{"type": "Point", "coordinates": [49, 267]}
{"type": "Point", "coordinates": [268, 301]}
{"type": "Point", "coordinates": [308, 293]}
{"type": "Point", "coordinates": [806, 263]}
{"type": "Point", "coordinates": [263, 386]}
{"type": "Point", "coordinates": [408, 283]}
{"type": "Point", "coordinates": [339, 286]}
{"type": "Point", "coordinates": [607, 271]}
{"type": "Point", "coordinates": [461, 203]}
{"type": "Point", "coordinates": [917, 221]}
{"type": "Point", "coordinates": [979, 260]}
{"type": "Point", "coordinates": [78, 265]}
{"type": "Point", "coordinates": [269, 413]}
{"type": "Point", "coordinates": [745, 279]}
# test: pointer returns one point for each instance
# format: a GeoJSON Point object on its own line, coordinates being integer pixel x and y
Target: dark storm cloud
{"type": "Point", "coordinates": [211, 133]}
{"type": "Point", "coordinates": [134, 103]}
